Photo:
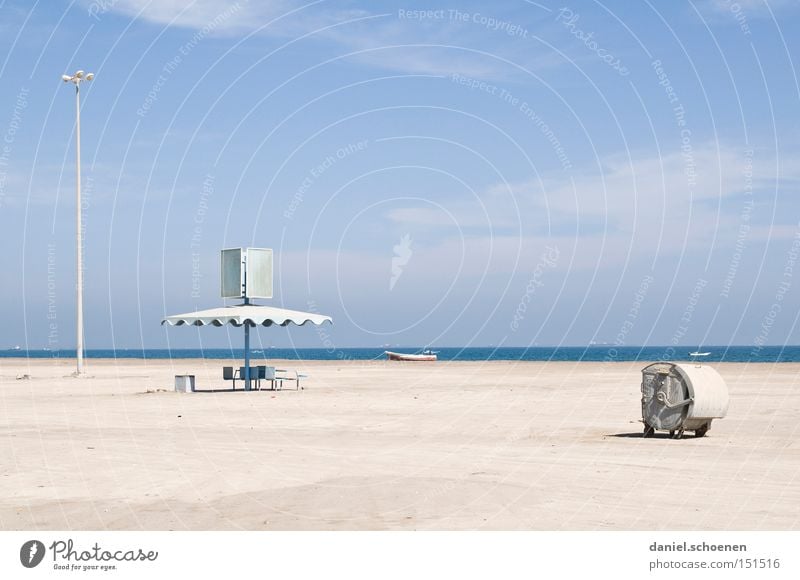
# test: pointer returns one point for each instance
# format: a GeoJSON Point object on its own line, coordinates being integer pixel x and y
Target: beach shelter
{"type": "Point", "coordinates": [246, 273]}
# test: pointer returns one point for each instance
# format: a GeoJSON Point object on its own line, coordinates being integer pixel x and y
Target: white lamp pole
{"type": "Point", "coordinates": [76, 80]}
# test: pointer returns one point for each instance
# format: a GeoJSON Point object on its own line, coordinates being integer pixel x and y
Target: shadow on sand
{"type": "Point", "coordinates": [268, 390]}
{"type": "Point", "coordinates": [640, 435]}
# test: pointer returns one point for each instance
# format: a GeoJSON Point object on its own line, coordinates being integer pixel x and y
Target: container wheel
{"type": "Point", "coordinates": [701, 432]}
{"type": "Point", "coordinates": [648, 431]}
{"type": "Point", "coordinates": [676, 434]}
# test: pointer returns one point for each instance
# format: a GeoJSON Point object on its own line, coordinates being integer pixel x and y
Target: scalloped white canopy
{"type": "Point", "coordinates": [250, 314]}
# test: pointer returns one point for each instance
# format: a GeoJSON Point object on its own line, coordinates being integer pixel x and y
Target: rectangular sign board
{"type": "Point", "coordinates": [246, 272]}
{"type": "Point", "coordinates": [231, 273]}
{"type": "Point", "coordinates": [258, 273]}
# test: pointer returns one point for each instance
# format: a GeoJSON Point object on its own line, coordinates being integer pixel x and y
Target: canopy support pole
{"type": "Point", "coordinates": [246, 341]}
{"type": "Point", "coordinates": [246, 356]}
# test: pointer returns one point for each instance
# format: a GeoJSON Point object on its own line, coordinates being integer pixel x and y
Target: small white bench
{"type": "Point", "coordinates": [287, 375]}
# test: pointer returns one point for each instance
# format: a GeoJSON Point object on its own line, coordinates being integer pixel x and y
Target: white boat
{"type": "Point", "coordinates": [697, 356]}
{"type": "Point", "coordinates": [425, 355]}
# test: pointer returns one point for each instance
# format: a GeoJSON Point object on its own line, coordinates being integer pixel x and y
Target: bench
{"type": "Point", "coordinates": [290, 376]}
{"type": "Point", "coordinates": [256, 374]}
{"type": "Point", "coordinates": [228, 374]}
{"type": "Point", "coordinates": [259, 373]}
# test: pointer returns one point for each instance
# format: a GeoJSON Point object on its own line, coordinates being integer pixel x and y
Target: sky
{"type": "Point", "coordinates": [427, 173]}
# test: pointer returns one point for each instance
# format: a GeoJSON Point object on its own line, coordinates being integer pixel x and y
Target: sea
{"type": "Point", "coordinates": [595, 353]}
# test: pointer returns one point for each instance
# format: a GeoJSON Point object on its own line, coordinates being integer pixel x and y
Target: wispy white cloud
{"type": "Point", "coordinates": [443, 47]}
{"type": "Point", "coordinates": [755, 8]}
{"type": "Point", "coordinates": [229, 17]}
{"type": "Point", "coordinates": [741, 12]}
{"type": "Point", "coordinates": [379, 38]}
{"type": "Point", "coordinates": [641, 205]}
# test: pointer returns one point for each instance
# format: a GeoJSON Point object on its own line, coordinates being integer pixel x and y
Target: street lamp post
{"type": "Point", "coordinates": [76, 79]}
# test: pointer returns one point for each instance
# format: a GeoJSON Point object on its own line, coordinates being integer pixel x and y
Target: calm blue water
{"type": "Point", "coordinates": [767, 354]}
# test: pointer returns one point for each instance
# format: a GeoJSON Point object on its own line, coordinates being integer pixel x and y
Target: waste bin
{"type": "Point", "coordinates": [184, 383]}
{"type": "Point", "coordinates": [682, 397]}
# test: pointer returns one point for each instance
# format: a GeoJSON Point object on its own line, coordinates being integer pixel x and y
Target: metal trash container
{"type": "Point", "coordinates": [682, 397]}
{"type": "Point", "coordinates": [184, 383]}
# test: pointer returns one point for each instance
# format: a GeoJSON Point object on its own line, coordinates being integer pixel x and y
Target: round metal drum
{"type": "Point", "coordinates": [664, 397]}
{"type": "Point", "coordinates": [679, 397]}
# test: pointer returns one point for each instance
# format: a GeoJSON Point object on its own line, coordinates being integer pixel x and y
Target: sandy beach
{"type": "Point", "coordinates": [379, 445]}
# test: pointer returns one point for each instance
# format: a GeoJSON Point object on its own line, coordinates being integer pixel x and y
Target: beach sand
{"type": "Point", "coordinates": [380, 445]}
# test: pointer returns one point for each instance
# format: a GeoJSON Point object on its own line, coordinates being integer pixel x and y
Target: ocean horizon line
{"type": "Point", "coordinates": [588, 353]}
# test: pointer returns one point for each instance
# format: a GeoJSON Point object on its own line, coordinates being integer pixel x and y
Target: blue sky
{"type": "Point", "coordinates": [540, 173]}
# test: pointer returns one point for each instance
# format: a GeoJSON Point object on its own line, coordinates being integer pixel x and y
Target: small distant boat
{"type": "Point", "coordinates": [425, 355]}
{"type": "Point", "coordinates": [16, 347]}
{"type": "Point", "coordinates": [699, 353]}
